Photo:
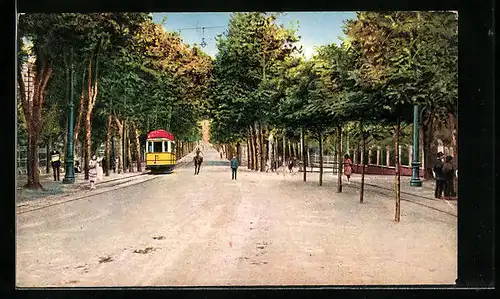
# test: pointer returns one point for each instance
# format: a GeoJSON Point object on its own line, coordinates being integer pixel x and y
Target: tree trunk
{"type": "Point", "coordinates": [47, 150]}
{"type": "Point", "coordinates": [398, 176]}
{"type": "Point", "coordinates": [91, 99]}
{"type": "Point", "coordinates": [177, 151]}
{"type": "Point", "coordinates": [339, 159]}
{"type": "Point", "coordinates": [129, 148]}
{"type": "Point", "coordinates": [34, 175]}
{"type": "Point", "coordinates": [296, 150]}
{"type": "Point", "coordinates": [88, 144]}
{"type": "Point", "coordinates": [255, 149]}
{"type": "Point", "coordinates": [79, 116]}
{"type": "Point", "coordinates": [454, 131]}
{"type": "Point", "coordinates": [137, 149]}
{"type": "Point", "coordinates": [321, 158]}
{"type": "Point", "coordinates": [258, 147]}
{"type": "Point", "coordinates": [238, 152]}
{"type": "Point", "coordinates": [250, 148]}
{"type": "Point", "coordinates": [119, 151]}
{"type": "Point", "coordinates": [429, 146]}
{"type": "Point", "coordinates": [276, 153]}
{"type": "Point", "coordinates": [124, 146]}
{"type": "Point", "coordinates": [363, 150]}
{"type": "Point", "coordinates": [108, 143]}
{"type": "Point", "coordinates": [262, 149]}
{"type": "Point", "coordinates": [272, 153]}
{"type": "Point", "coordinates": [304, 163]}
{"type": "Point", "coordinates": [32, 109]}
{"type": "Point", "coordinates": [283, 163]}
{"type": "Point", "coordinates": [249, 159]}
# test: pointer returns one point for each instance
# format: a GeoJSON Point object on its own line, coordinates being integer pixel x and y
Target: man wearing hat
{"type": "Point", "coordinates": [55, 160]}
{"type": "Point", "coordinates": [439, 175]}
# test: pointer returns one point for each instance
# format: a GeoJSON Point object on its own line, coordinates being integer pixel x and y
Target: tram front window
{"type": "Point", "coordinates": [157, 147]}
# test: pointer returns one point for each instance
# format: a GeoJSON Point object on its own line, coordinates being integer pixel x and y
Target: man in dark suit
{"type": "Point", "coordinates": [439, 175]}
{"type": "Point", "coordinates": [55, 160]}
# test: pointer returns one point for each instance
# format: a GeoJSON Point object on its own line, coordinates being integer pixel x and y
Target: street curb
{"type": "Point", "coordinates": [71, 198]}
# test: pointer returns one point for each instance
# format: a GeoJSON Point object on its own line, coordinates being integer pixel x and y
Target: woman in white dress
{"type": "Point", "coordinates": [93, 171]}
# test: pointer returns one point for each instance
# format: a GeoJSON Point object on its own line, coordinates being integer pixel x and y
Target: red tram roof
{"type": "Point", "coordinates": [160, 134]}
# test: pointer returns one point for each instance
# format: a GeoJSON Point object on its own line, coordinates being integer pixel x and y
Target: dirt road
{"type": "Point", "coordinates": [262, 229]}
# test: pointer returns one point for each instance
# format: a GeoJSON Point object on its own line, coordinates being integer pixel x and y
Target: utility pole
{"type": "Point", "coordinates": [69, 175]}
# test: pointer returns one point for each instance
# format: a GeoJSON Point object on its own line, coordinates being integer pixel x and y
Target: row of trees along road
{"type": "Point", "coordinates": [131, 76]}
{"type": "Point", "coordinates": [365, 87]}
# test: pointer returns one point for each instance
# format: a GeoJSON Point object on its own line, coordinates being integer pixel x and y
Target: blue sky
{"type": "Point", "coordinates": [315, 28]}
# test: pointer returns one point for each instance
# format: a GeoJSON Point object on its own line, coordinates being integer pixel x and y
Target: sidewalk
{"type": "Point", "coordinates": [388, 182]}
{"type": "Point", "coordinates": [54, 189]}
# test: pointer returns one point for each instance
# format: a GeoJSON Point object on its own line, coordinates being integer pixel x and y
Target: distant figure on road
{"type": "Point", "coordinates": [438, 175]}
{"type": "Point", "coordinates": [198, 159]}
{"type": "Point", "coordinates": [55, 160]}
{"type": "Point", "coordinates": [449, 177]}
{"type": "Point", "coordinates": [93, 171]}
{"type": "Point", "coordinates": [347, 167]}
{"type": "Point", "coordinates": [234, 167]}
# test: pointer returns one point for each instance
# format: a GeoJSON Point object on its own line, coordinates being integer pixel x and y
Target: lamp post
{"type": "Point", "coordinates": [415, 164]}
{"type": "Point", "coordinates": [69, 176]}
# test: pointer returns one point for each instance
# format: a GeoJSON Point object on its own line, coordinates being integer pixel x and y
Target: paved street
{"type": "Point", "coordinates": [262, 229]}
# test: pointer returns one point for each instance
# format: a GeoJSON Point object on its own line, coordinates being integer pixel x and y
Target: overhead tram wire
{"type": "Point", "coordinates": [203, 43]}
{"type": "Point", "coordinates": [200, 27]}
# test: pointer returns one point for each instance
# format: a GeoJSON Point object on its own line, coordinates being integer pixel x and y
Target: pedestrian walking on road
{"type": "Point", "coordinates": [439, 176]}
{"type": "Point", "coordinates": [449, 177]}
{"type": "Point", "coordinates": [93, 171]}
{"type": "Point", "coordinates": [234, 167]}
{"type": "Point", "coordinates": [347, 167]}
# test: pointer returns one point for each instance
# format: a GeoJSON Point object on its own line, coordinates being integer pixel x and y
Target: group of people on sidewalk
{"type": "Point", "coordinates": [444, 172]}
{"type": "Point", "coordinates": [95, 168]}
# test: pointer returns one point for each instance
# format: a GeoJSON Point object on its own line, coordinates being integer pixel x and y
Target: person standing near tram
{"type": "Point", "coordinates": [55, 160]}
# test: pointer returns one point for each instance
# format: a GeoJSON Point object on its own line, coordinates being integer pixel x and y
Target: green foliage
{"type": "Point", "coordinates": [388, 62]}
{"type": "Point", "coordinates": [249, 58]}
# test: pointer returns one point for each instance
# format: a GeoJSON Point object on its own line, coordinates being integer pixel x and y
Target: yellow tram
{"type": "Point", "coordinates": [160, 151]}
